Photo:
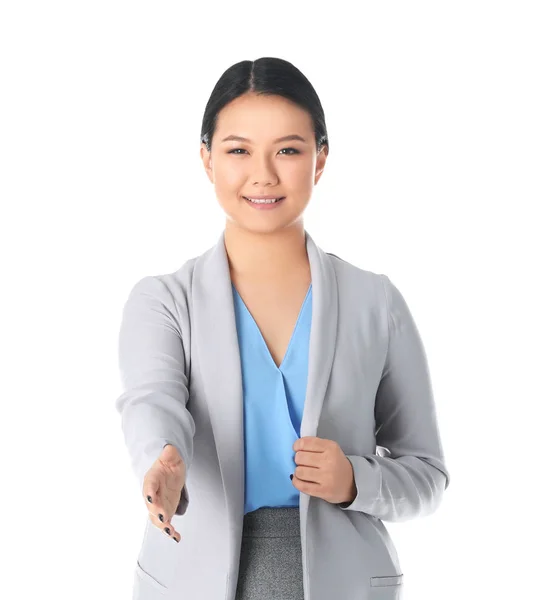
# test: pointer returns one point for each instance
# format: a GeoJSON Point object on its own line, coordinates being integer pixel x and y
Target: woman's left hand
{"type": "Point", "coordinates": [323, 470]}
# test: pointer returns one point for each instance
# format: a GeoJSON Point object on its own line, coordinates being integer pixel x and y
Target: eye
{"type": "Point", "coordinates": [294, 150]}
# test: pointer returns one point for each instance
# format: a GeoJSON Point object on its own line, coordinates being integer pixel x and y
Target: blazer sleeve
{"type": "Point", "coordinates": [411, 481]}
{"type": "Point", "coordinates": [153, 405]}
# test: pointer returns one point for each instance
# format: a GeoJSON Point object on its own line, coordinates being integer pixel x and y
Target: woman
{"type": "Point", "coordinates": [272, 360]}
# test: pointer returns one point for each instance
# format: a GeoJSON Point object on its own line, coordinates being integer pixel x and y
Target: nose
{"type": "Point", "coordinates": [265, 172]}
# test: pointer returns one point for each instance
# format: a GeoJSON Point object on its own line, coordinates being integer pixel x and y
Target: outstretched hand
{"type": "Point", "coordinates": [162, 489]}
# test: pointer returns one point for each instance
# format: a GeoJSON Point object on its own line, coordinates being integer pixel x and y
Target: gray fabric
{"type": "Point", "coordinates": [368, 387]}
{"type": "Point", "coordinates": [271, 555]}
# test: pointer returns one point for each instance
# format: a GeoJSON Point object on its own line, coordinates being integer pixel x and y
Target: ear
{"type": "Point", "coordinates": [320, 163]}
{"type": "Point", "coordinates": [207, 160]}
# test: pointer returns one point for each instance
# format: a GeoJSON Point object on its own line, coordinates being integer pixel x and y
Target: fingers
{"type": "Point", "coordinates": [158, 514]}
{"type": "Point", "coordinates": [167, 528]}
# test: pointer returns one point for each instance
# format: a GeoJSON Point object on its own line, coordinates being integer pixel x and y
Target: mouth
{"type": "Point", "coordinates": [264, 201]}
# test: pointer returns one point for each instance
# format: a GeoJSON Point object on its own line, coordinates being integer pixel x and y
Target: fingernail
{"type": "Point", "coordinates": [161, 517]}
{"type": "Point", "coordinates": [149, 498]}
{"type": "Point", "coordinates": [291, 476]}
{"type": "Point", "coordinates": [175, 539]}
{"type": "Point", "coordinates": [167, 530]}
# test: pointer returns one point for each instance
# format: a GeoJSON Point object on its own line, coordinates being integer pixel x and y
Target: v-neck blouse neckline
{"type": "Point", "coordinates": [259, 333]}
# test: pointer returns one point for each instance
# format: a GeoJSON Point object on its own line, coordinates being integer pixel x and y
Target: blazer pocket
{"type": "Point", "coordinates": [387, 580]}
{"type": "Point", "coordinates": [150, 580]}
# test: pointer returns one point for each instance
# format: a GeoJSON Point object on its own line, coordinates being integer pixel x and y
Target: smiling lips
{"type": "Point", "coordinates": [265, 203]}
{"type": "Point", "coordinates": [263, 199]}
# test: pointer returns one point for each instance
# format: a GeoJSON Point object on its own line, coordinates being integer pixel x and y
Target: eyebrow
{"type": "Point", "coordinates": [286, 138]}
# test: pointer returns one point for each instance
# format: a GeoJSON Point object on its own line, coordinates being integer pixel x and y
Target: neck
{"type": "Point", "coordinates": [266, 255]}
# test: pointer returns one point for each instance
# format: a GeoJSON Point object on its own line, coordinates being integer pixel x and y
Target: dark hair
{"type": "Point", "coordinates": [264, 76]}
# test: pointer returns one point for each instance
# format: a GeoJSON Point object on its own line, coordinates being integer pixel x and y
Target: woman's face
{"type": "Point", "coordinates": [261, 165]}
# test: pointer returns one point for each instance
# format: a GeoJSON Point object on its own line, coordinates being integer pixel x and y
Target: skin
{"type": "Point", "coordinates": [268, 248]}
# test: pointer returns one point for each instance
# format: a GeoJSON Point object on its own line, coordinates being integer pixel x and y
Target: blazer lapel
{"type": "Point", "coordinates": [219, 365]}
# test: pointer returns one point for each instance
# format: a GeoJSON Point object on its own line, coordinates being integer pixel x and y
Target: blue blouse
{"type": "Point", "coordinates": [273, 406]}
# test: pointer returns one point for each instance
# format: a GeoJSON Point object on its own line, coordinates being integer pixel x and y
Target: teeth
{"type": "Point", "coordinates": [265, 201]}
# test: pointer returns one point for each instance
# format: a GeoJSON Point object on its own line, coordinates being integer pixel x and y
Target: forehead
{"type": "Point", "coordinates": [259, 117]}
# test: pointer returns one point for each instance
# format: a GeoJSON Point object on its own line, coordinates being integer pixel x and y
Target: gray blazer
{"type": "Point", "coordinates": [368, 389]}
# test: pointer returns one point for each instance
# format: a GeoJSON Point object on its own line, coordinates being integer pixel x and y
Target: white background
{"type": "Point", "coordinates": [440, 174]}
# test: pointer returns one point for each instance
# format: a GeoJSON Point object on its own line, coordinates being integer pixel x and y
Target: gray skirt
{"type": "Point", "coordinates": [271, 555]}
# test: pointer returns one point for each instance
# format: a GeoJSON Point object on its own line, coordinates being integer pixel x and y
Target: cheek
{"type": "Point", "coordinates": [228, 177]}
{"type": "Point", "coordinates": [301, 172]}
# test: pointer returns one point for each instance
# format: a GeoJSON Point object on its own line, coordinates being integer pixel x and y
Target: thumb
{"type": "Point", "coordinates": [170, 455]}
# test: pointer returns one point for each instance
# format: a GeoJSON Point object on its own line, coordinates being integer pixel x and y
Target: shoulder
{"type": "Point", "coordinates": [362, 281]}
{"type": "Point", "coordinates": [168, 292]}
{"type": "Point", "coordinates": [362, 288]}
